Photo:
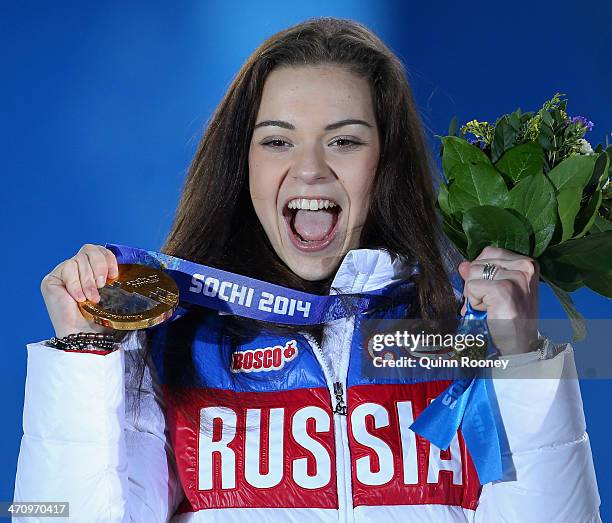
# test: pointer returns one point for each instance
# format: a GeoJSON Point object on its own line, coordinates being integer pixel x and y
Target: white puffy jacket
{"type": "Point", "coordinates": [297, 461]}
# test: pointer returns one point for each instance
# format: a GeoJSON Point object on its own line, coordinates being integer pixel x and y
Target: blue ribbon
{"type": "Point", "coordinates": [251, 298]}
{"type": "Point", "coordinates": [466, 403]}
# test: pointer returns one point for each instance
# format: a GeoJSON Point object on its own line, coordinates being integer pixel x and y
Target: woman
{"type": "Point", "coordinates": [313, 174]}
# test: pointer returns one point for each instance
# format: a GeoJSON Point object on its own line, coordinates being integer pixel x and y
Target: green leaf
{"type": "Point", "coordinates": [457, 151]}
{"type": "Point", "coordinates": [475, 185]}
{"type": "Point", "coordinates": [574, 171]}
{"type": "Point", "coordinates": [452, 228]}
{"type": "Point", "coordinates": [546, 131]}
{"type": "Point", "coordinates": [488, 225]}
{"type": "Point", "coordinates": [567, 277]}
{"type": "Point", "coordinates": [600, 173]}
{"type": "Point", "coordinates": [452, 128]}
{"type": "Point", "coordinates": [556, 114]}
{"type": "Point", "coordinates": [591, 253]}
{"type": "Point", "coordinates": [601, 283]}
{"type": "Point", "coordinates": [443, 198]}
{"type": "Point", "coordinates": [568, 204]}
{"type": "Point", "coordinates": [577, 320]}
{"type": "Point", "coordinates": [534, 198]}
{"type": "Point", "coordinates": [601, 224]}
{"type": "Point", "coordinates": [521, 161]}
{"type": "Point", "coordinates": [545, 142]}
{"type": "Point", "coordinates": [586, 215]}
{"type": "Point", "coordinates": [503, 138]}
{"type": "Point", "coordinates": [547, 118]}
{"type": "Point", "coordinates": [514, 120]}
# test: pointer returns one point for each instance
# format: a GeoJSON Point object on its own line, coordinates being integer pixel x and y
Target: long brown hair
{"type": "Point", "coordinates": [216, 224]}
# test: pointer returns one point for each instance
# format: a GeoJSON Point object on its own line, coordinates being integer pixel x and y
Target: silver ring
{"type": "Point", "coordinates": [489, 270]}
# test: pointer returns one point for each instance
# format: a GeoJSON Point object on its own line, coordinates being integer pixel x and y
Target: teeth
{"type": "Point", "coordinates": [310, 205]}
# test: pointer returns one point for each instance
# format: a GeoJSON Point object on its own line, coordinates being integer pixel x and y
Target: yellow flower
{"type": "Point", "coordinates": [481, 130]}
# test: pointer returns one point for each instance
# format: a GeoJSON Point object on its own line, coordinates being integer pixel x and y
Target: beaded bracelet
{"type": "Point", "coordinates": [86, 341]}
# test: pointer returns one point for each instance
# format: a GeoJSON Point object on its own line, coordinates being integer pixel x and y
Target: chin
{"type": "Point", "coordinates": [314, 269]}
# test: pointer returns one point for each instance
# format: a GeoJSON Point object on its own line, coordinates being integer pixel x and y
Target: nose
{"type": "Point", "coordinates": [310, 166]}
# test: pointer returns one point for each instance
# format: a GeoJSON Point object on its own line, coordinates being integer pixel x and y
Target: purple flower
{"type": "Point", "coordinates": [583, 121]}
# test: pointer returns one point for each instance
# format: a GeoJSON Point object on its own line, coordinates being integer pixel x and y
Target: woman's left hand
{"type": "Point", "coordinates": [511, 298]}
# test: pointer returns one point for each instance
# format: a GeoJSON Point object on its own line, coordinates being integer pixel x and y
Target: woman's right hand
{"type": "Point", "coordinates": [75, 280]}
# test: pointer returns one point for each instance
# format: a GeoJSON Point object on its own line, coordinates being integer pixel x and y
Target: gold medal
{"type": "Point", "coordinates": [140, 297]}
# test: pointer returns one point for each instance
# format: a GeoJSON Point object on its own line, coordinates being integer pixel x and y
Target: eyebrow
{"type": "Point", "coordinates": [330, 127]}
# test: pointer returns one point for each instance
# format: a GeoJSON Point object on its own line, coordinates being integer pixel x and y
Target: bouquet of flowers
{"type": "Point", "coordinates": [532, 184]}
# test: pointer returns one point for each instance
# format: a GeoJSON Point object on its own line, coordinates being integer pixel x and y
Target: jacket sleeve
{"type": "Point", "coordinates": [82, 442]}
{"type": "Point", "coordinates": [551, 476]}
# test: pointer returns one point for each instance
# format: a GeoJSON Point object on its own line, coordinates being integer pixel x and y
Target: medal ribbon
{"type": "Point", "coordinates": [466, 403]}
{"type": "Point", "coordinates": [251, 298]}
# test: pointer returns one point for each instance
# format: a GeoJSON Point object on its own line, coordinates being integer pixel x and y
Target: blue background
{"type": "Point", "coordinates": [102, 106]}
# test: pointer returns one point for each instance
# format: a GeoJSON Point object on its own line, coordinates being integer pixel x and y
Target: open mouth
{"type": "Point", "coordinates": [311, 222]}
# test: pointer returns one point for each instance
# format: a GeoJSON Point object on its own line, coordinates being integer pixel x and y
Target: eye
{"type": "Point", "coordinates": [348, 143]}
{"type": "Point", "coordinates": [277, 143]}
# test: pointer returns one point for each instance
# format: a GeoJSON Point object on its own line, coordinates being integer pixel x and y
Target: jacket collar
{"type": "Point", "coordinates": [364, 270]}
